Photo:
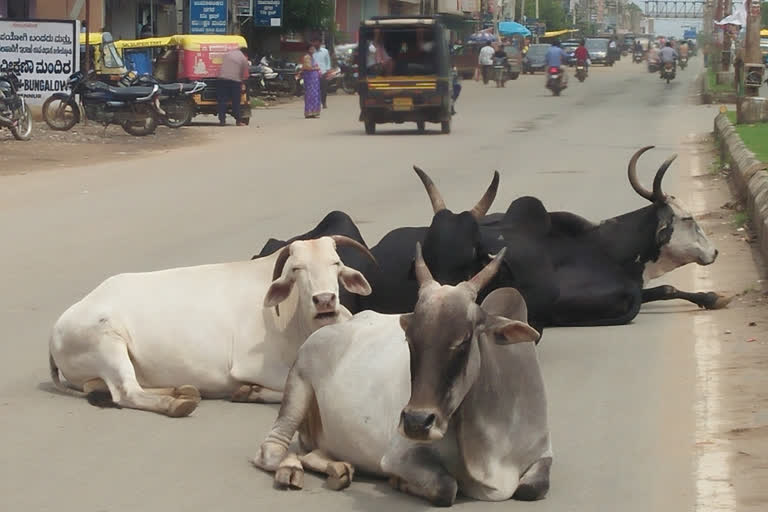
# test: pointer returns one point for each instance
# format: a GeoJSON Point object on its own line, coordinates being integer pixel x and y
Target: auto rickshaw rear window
{"type": "Point", "coordinates": [401, 52]}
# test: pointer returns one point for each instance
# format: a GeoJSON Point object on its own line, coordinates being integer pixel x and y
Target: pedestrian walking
{"type": "Point", "coordinates": [322, 58]}
{"type": "Point", "coordinates": [233, 72]}
{"type": "Point", "coordinates": [485, 60]}
{"type": "Point", "coordinates": [312, 94]}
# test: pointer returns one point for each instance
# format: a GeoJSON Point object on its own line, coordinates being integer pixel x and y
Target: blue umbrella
{"type": "Point", "coordinates": [510, 28]}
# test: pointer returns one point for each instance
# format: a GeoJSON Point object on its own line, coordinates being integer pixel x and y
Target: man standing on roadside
{"type": "Point", "coordinates": [234, 70]}
{"type": "Point", "coordinates": [485, 60]}
{"type": "Point", "coordinates": [323, 60]}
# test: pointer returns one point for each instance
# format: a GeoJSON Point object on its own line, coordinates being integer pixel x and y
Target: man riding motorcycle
{"type": "Point", "coordinates": [582, 55]}
{"type": "Point", "coordinates": [556, 58]}
{"type": "Point", "coordinates": [667, 54]}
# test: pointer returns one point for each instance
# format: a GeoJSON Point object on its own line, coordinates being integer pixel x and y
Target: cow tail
{"type": "Point", "coordinates": [57, 379]}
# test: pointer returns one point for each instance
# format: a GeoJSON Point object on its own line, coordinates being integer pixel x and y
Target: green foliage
{"type": "Point", "coordinates": [550, 12]}
{"type": "Point", "coordinates": [764, 15]}
{"type": "Point", "coordinates": [300, 15]}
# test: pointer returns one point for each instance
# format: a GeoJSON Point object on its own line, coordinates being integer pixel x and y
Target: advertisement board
{"type": "Point", "coordinates": [205, 62]}
{"type": "Point", "coordinates": [42, 53]}
{"type": "Point", "coordinates": [268, 13]}
{"type": "Point", "coordinates": [207, 16]}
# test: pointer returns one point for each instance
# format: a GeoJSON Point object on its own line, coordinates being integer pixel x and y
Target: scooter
{"type": "Point", "coordinates": [637, 57]}
{"type": "Point", "coordinates": [500, 71]}
{"type": "Point", "coordinates": [581, 70]}
{"type": "Point", "coordinates": [349, 78]}
{"type": "Point", "coordinates": [683, 62]}
{"type": "Point", "coordinates": [14, 113]}
{"type": "Point", "coordinates": [668, 73]}
{"type": "Point", "coordinates": [555, 80]}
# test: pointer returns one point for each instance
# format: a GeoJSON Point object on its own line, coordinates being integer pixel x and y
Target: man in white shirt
{"type": "Point", "coordinates": [323, 60]}
{"type": "Point", "coordinates": [485, 60]}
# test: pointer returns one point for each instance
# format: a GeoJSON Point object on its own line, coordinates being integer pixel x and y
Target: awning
{"type": "Point", "coordinates": [510, 28]}
{"type": "Point", "coordinates": [764, 32]}
{"type": "Point", "coordinates": [556, 33]}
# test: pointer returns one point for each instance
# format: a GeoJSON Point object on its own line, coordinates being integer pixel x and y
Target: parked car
{"type": "Point", "coordinates": [598, 51]}
{"type": "Point", "coordinates": [536, 58]}
{"type": "Point", "coordinates": [569, 47]}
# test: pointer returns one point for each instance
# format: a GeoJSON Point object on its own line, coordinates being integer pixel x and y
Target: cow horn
{"type": "Point", "coordinates": [438, 204]}
{"type": "Point", "coordinates": [482, 207]}
{"type": "Point", "coordinates": [658, 194]}
{"type": "Point", "coordinates": [423, 275]}
{"type": "Point", "coordinates": [345, 241]}
{"type": "Point", "coordinates": [279, 266]}
{"type": "Point", "coordinates": [484, 277]}
{"type": "Point", "coordinates": [632, 172]}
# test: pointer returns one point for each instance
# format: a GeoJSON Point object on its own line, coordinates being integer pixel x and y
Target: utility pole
{"type": "Point", "coordinates": [726, 51]}
{"type": "Point", "coordinates": [752, 55]}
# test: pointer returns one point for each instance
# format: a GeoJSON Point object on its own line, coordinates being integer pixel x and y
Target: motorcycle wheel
{"type": "Point", "coordinates": [348, 84]}
{"type": "Point", "coordinates": [178, 111]}
{"type": "Point", "coordinates": [514, 76]}
{"type": "Point", "coordinates": [669, 80]}
{"type": "Point", "coordinates": [445, 127]}
{"type": "Point", "coordinates": [581, 78]}
{"type": "Point", "coordinates": [370, 127]}
{"type": "Point", "coordinates": [59, 114]}
{"type": "Point", "coordinates": [23, 129]}
{"type": "Point", "coordinates": [141, 128]}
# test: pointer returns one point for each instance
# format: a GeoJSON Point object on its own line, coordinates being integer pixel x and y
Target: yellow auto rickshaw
{"type": "Point", "coordinates": [199, 58]}
{"type": "Point", "coordinates": [105, 60]}
{"type": "Point", "coordinates": [140, 55]}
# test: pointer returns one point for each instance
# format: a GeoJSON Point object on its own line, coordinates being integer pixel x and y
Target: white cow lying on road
{"type": "Point", "coordinates": [460, 382]}
{"type": "Point", "coordinates": [157, 341]}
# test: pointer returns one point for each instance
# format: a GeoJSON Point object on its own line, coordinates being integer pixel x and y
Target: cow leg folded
{"type": "Point", "coordinates": [707, 300]}
{"type": "Point", "coordinates": [118, 373]}
{"type": "Point", "coordinates": [340, 474]}
{"type": "Point", "coordinates": [253, 393]}
{"type": "Point", "coordinates": [419, 471]}
{"type": "Point", "coordinates": [534, 484]}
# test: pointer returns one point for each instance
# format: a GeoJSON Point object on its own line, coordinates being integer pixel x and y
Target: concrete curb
{"type": "Point", "coordinates": [708, 97]}
{"type": "Point", "coordinates": [750, 177]}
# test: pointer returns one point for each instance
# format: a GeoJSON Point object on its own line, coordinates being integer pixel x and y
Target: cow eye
{"type": "Point", "coordinates": [687, 219]}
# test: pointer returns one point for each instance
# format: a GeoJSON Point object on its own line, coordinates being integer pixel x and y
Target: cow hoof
{"type": "Point", "coordinates": [181, 407]}
{"type": "Point", "coordinates": [270, 456]}
{"type": "Point", "coordinates": [720, 301]}
{"type": "Point", "coordinates": [188, 392]}
{"type": "Point", "coordinates": [242, 394]}
{"type": "Point", "coordinates": [340, 475]}
{"type": "Point", "coordinates": [290, 477]}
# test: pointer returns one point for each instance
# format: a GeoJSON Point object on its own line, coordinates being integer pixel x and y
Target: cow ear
{"type": "Point", "coordinates": [405, 320]}
{"type": "Point", "coordinates": [354, 281]}
{"type": "Point", "coordinates": [278, 291]}
{"type": "Point", "coordinates": [507, 332]}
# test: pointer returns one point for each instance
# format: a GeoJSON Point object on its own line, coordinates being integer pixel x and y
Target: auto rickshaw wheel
{"type": "Point", "coordinates": [445, 126]}
{"type": "Point", "coordinates": [245, 120]}
{"type": "Point", "coordinates": [514, 76]}
{"type": "Point", "coordinates": [370, 127]}
{"type": "Point", "coordinates": [421, 126]}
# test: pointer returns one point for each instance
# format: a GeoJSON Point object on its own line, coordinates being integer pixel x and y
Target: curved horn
{"type": "Point", "coordinates": [658, 195]}
{"type": "Point", "coordinates": [345, 241]}
{"type": "Point", "coordinates": [484, 277]}
{"type": "Point", "coordinates": [632, 172]}
{"type": "Point", "coordinates": [482, 206]}
{"type": "Point", "coordinates": [423, 275]}
{"type": "Point", "coordinates": [279, 266]}
{"type": "Point", "coordinates": [438, 204]}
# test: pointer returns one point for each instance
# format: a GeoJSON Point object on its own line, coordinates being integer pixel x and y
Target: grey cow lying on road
{"type": "Point", "coordinates": [157, 341]}
{"type": "Point", "coordinates": [461, 380]}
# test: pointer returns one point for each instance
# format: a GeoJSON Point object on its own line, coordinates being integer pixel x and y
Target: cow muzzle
{"type": "Point", "coordinates": [419, 425]}
{"type": "Point", "coordinates": [325, 305]}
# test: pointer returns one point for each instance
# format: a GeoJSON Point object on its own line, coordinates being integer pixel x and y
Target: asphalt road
{"type": "Point", "coordinates": [621, 398]}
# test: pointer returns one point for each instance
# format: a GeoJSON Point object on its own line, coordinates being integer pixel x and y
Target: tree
{"type": "Point", "coordinates": [764, 15]}
{"type": "Point", "coordinates": [300, 15]}
{"type": "Point", "coordinates": [551, 12]}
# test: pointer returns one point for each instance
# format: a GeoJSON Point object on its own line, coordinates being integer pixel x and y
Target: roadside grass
{"type": "Point", "coordinates": [716, 87]}
{"type": "Point", "coordinates": [740, 219]}
{"type": "Point", "coordinates": [755, 136]}
{"type": "Point", "coordinates": [257, 102]}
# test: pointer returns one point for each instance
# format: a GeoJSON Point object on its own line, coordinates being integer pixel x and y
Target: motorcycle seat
{"type": "Point", "coordinates": [130, 93]}
{"type": "Point", "coordinates": [177, 88]}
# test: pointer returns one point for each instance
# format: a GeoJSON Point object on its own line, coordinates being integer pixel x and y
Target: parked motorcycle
{"type": "Point", "coordinates": [349, 77]}
{"type": "Point", "coordinates": [668, 73]}
{"type": "Point", "coordinates": [555, 80]}
{"type": "Point", "coordinates": [14, 113]}
{"type": "Point", "coordinates": [581, 70]}
{"type": "Point", "coordinates": [176, 107]}
{"type": "Point", "coordinates": [637, 57]}
{"type": "Point", "coordinates": [333, 78]}
{"type": "Point", "coordinates": [683, 62]}
{"type": "Point", "coordinates": [135, 109]}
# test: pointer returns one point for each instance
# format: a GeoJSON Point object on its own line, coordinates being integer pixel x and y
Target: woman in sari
{"type": "Point", "coordinates": [311, 74]}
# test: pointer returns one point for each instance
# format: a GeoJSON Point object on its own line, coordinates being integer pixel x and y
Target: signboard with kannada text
{"type": "Point", "coordinates": [268, 13]}
{"type": "Point", "coordinates": [207, 16]}
{"type": "Point", "coordinates": [43, 54]}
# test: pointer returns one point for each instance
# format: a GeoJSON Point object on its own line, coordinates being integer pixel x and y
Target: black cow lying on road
{"type": "Point", "coordinates": [570, 271]}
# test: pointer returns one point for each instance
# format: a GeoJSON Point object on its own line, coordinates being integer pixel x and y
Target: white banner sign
{"type": "Point", "coordinates": [43, 54]}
